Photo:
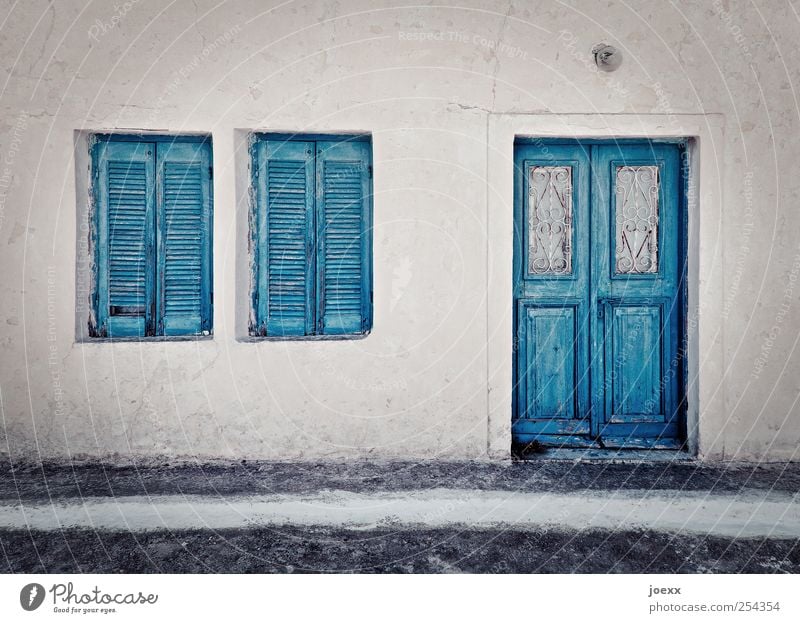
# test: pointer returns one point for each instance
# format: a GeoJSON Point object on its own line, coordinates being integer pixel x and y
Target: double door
{"type": "Point", "coordinates": [598, 294]}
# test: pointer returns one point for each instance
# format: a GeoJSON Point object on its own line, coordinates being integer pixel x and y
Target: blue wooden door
{"type": "Point", "coordinates": [551, 304]}
{"type": "Point", "coordinates": [598, 275]}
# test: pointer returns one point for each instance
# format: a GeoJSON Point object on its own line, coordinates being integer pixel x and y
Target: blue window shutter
{"type": "Point", "coordinates": [184, 238]}
{"type": "Point", "coordinates": [343, 237]}
{"type": "Point", "coordinates": [285, 230]}
{"type": "Point", "coordinates": [125, 235]}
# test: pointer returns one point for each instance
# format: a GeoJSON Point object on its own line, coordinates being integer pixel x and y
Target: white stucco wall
{"type": "Point", "coordinates": [442, 101]}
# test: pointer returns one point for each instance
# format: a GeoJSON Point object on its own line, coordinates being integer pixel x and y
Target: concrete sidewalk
{"type": "Point", "coordinates": [534, 516]}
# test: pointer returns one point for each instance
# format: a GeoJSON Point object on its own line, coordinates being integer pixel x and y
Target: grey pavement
{"type": "Point", "coordinates": [542, 515]}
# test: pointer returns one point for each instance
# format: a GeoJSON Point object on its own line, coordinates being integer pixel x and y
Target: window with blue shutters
{"type": "Point", "coordinates": [152, 236]}
{"type": "Point", "coordinates": [312, 230]}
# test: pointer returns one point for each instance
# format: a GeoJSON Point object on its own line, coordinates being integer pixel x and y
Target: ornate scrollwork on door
{"type": "Point", "coordinates": [636, 220]}
{"type": "Point", "coordinates": [550, 221]}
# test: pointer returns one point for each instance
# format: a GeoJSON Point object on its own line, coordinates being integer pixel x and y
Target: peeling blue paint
{"type": "Point", "coordinates": [597, 351]}
{"type": "Point", "coordinates": [311, 237]}
{"type": "Point", "coordinates": [153, 232]}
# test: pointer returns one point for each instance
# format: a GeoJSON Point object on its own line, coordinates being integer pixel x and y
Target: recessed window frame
{"type": "Point", "coordinates": [257, 321]}
{"type": "Point", "coordinates": [174, 149]}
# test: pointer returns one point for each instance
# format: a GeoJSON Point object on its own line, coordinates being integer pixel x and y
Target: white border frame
{"type": "Point", "coordinates": [705, 241]}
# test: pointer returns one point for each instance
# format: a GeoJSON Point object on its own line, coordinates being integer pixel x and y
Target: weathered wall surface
{"type": "Point", "coordinates": [424, 81]}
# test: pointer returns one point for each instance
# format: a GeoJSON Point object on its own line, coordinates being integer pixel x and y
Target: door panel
{"type": "Point", "coordinates": [549, 336]}
{"type": "Point", "coordinates": [636, 227]}
{"type": "Point", "coordinates": [634, 363]}
{"type": "Point", "coordinates": [552, 336]}
{"type": "Point", "coordinates": [598, 268]}
{"type": "Point", "coordinates": [552, 397]}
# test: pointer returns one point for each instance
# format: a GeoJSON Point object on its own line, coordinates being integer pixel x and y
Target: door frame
{"type": "Point", "coordinates": [704, 211]}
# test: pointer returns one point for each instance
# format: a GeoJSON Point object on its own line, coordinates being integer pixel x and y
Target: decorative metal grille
{"type": "Point", "coordinates": [637, 220]}
{"type": "Point", "coordinates": [550, 221]}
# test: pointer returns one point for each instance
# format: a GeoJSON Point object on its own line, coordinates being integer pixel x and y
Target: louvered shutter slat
{"type": "Point", "coordinates": [343, 236]}
{"type": "Point", "coordinates": [286, 230]}
{"type": "Point", "coordinates": [125, 239]}
{"type": "Point", "coordinates": [184, 235]}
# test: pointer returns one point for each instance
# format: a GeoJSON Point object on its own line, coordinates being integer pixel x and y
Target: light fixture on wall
{"type": "Point", "coordinates": [607, 57]}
